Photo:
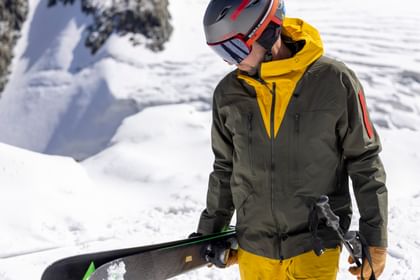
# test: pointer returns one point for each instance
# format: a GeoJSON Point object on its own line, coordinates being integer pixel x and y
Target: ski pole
{"type": "Point", "coordinates": [351, 239]}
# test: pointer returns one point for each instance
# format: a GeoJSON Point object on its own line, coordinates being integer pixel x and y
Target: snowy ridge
{"type": "Point", "coordinates": [23, 182]}
{"type": "Point", "coordinates": [62, 91]}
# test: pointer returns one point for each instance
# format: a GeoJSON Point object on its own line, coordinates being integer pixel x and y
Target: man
{"type": "Point", "coordinates": [289, 125]}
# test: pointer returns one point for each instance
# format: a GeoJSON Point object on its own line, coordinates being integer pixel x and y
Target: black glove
{"type": "Point", "coordinates": [195, 234]}
{"type": "Point", "coordinates": [222, 253]}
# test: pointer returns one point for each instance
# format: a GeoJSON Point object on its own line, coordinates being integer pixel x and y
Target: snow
{"type": "Point", "coordinates": [116, 271]}
{"type": "Point", "coordinates": [138, 125]}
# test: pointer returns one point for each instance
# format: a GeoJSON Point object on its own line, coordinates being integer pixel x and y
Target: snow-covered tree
{"type": "Point", "coordinates": [147, 18]}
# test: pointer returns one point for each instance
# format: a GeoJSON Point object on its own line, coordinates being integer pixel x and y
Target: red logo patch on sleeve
{"type": "Point", "coordinates": [366, 121]}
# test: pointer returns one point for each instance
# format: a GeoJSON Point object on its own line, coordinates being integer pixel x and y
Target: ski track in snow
{"type": "Point", "coordinates": [381, 44]}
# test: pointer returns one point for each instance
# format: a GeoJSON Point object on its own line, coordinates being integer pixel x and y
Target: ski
{"type": "Point", "coordinates": [158, 261]}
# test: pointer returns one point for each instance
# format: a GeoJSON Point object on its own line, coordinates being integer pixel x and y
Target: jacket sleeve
{"type": "Point", "coordinates": [360, 147]}
{"type": "Point", "coordinates": [219, 209]}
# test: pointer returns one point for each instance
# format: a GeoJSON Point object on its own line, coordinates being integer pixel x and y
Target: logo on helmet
{"type": "Point", "coordinates": [239, 10]}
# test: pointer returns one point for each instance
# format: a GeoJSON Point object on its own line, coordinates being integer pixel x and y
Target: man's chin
{"type": "Point", "coordinates": [248, 69]}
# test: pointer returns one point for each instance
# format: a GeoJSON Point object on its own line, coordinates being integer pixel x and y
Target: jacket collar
{"type": "Point", "coordinates": [297, 30]}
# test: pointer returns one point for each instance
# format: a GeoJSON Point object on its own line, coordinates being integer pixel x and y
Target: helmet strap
{"type": "Point", "coordinates": [269, 36]}
{"type": "Point", "coordinates": [268, 56]}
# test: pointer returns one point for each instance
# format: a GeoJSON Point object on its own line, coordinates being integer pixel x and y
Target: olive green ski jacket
{"type": "Point", "coordinates": [296, 131]}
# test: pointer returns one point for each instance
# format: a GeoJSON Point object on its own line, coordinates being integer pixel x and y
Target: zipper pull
{"type": "Point", "coordinates": [297, 119]}
{"type": "Point", "coordinates": [250, 116]}
{"type": "Point", "coordinates": [261, 81]}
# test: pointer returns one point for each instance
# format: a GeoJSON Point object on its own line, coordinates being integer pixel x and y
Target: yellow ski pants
{"type": "Point", "coordinates": [304, 266]}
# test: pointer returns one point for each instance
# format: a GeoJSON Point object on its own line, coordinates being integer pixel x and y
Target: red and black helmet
{"type": "Point", "coordinates": [232, 26]}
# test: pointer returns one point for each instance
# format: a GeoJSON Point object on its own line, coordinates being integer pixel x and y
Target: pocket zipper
{"type": "Point", "coordinates": [297, 121]}
{"type": "Point", "coordinates": [297, 148]}
{"type": "Point", "coordinates": [250, 117]}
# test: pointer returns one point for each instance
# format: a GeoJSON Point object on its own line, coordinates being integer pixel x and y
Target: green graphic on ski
{"type": "Point", "coordinates": [91, 269]}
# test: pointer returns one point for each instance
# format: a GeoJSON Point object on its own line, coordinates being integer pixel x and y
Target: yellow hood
{"type": "Point", "coordinates": [297, 30]}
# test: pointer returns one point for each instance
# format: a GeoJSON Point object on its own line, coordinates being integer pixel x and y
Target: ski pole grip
{"type": "Point", "coordinates": [350, 240]}
{"type": "Point", "coordinates": [332, 219]}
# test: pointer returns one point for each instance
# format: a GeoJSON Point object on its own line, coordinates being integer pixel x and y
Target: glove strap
{"type": "Point", "coordinates": [366, 254]}
{"type": "Point", "coordinates": [313, 221]}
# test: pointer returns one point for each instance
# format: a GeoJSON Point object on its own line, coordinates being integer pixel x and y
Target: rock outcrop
{"type": "Point", "coordinates": [149, 18]}
{"type": "Point", "coordinates": [148, 22]}
{"type": "Point", "coordinates": [12, 15]}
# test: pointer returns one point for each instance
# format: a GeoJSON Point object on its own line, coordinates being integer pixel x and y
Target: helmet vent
{"type": "Point", "coordinates": [224, 12]}
{"type": "Point", "coordinates": [253, 3]}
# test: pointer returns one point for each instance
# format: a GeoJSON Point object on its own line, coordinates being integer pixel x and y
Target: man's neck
{"type": "Point", "coordinates": [280, 51]}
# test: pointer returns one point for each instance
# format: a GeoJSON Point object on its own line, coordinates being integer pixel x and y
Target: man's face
{"type": "Point", "coordinates": [251, 62]}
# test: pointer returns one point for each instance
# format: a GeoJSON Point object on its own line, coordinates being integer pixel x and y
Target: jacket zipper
{"type": "Point", "coordinates": [273, 102]}
{"type": "Point", "coordinates": [296, 143]}
{"type": "Point", "coordinates": [272, 138]}
{"type": "Point", "coordinates": [272, 168]}
{"type": "Point", "coordinates": [251, 163]}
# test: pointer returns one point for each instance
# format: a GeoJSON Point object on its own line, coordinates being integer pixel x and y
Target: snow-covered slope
{"type": "Point", "coordinates": [74, 102]}
{"type": "Point", "coordinates": [63, 92]}
{"type": "Point", "coordinates": [141, 122]}
{"type": "Point", "coordinates": [34, 210]}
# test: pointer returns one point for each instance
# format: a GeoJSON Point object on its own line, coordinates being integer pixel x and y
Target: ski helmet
{"type": "Point", "coordinates": [232, 26]}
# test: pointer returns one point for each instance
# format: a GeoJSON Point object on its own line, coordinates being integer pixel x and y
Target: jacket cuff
{"type": "Point", "coordinates": [374, 236]}
{"type": "Point", "coordinates": [212, 223]}
{"type": "Point", "coordinates": [204, 228]}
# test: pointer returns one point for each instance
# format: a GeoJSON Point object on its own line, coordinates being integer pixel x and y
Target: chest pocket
{"type": "Point", "coordinates": [244, 141]}
{"type": "Point", "coordinates": [250, 125]}
{"type": "Point", "coordinates": [313, 150]}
